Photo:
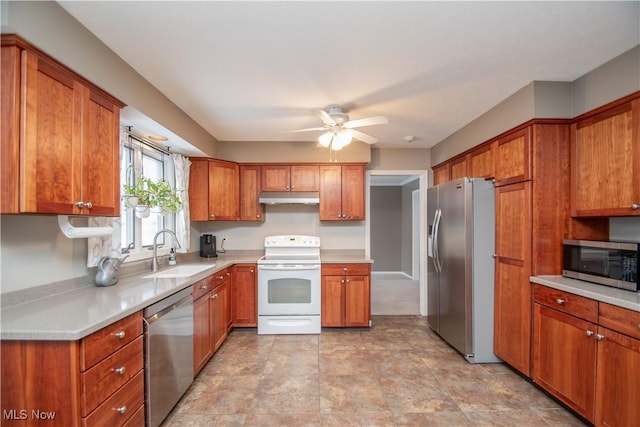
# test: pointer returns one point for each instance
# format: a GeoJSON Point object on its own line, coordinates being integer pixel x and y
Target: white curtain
{"type": "Point", "coordinates": [101, 246]}
{"type": "Point", "coordinates": [183, 223]}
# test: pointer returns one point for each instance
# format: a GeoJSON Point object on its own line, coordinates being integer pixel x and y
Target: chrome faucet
{"type": "Point", "coordinates": [155, 246]}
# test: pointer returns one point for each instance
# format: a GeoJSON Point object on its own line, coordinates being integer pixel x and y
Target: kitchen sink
{"type": "Point", "coordinates": [180, 271]}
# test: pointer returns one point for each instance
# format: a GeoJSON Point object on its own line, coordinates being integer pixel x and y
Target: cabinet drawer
{"type": "Point", "coordinates": [567, 302]}
{"type": "Point", "coordinates": [121, 406]}
{"type": "Point", "coordinates": [201, 287]}
{"type": "Point", "coordinates": [620, 319]}
{"type": "Point", "coordinates": [137, 419]}
{"type": "Point", "coordinates": [102, 343]}
{"type": "Point", "coordinates": [345, 269]}
{"type": "Point", "coordinates": [99, 382]}
{"type": "Point", "coordinates": [220, 277]}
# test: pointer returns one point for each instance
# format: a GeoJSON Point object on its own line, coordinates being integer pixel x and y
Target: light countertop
{"type": "Point", "coordinates": [614, 296]}
{"type": "Point", "coordinates": [76, 313]}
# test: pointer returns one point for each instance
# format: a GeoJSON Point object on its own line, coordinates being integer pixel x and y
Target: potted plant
{"type": "Point", "coordinates": [148, 195]}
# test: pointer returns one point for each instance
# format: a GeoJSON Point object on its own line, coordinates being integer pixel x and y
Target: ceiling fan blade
{"type": "Point", "coordinates": [306, 130]}
{"type": "Point", "coordinates": [363, 136]}
{"type": "Point", "coordinates": [325, 117]}
{"type": "Point", "coordinates": [369, 121]}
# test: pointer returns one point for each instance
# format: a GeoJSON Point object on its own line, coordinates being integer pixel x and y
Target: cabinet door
{"type": "Point", "coordinates": [513, 158]}
{"type": "Point", "coordinates": [480, 162]}
{"type": "Point", "coordinates": [100, 154]}
{"type": "Point", "coordinates": [224, 191]}
{"type": "Point", "coordinates": [618, 370]}
{"type": "Point", "coordinates": [50, 161]}
{"type": "Point", "coordinates": [202, 331]}
{"type": "Point", "coordinates": [441, 174]}
{"type": "Point", "coordinates": [353, 192]}
{"type": "Point", "coordinates": [221, 304]}
{"type": "Point", "coordinates": [305, 178]}
{"type": "Point", "coordinates": [357, 306]}
{"type": "Point", "coordinates": [276, 177]}
{"type": "Point", "coordinates": [10, 129]}
{"type": "Point", "coordinates": [332, 301]}
{"type": "Point", "coordinates": [250, 209]}
{"type": "Point", "coordinates": [244, 295]}
{"type": "Point", "coordinates": [564, 358]}
{"type": "Point", "coordinates": [330, 193]}
{"type": "Point", "coordinates": [199, 190]}
{"type": "Point", "coordinates": [605, 163]}
{"type": "Point", "coordinates": [512, 308]}
{"type": "Point", "coordinates": [458, 168]}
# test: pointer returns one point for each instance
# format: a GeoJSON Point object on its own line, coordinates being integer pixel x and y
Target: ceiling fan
{"type": "Point", "coordinates": [340, 130]}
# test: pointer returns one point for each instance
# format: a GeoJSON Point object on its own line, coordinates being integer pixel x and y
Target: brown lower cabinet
{"type": "Point", "coordinates": [346, 295]}
{"type": "Point", "coordinates": [74, 383]}
{"type": "Point", "coordinates": [582, 361]}
{"type": "Point", "coordinates": [211, 317]}
{"type": "Point", "coordinates": [243, 296]}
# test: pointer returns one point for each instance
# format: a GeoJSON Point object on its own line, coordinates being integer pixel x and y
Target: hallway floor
{"type": "Point", "coordinates": [394, 294]}
{"type": "Point", "coordinates": [398, 373]}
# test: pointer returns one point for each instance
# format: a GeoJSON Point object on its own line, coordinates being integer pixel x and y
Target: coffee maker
{"type": "Point", "coordinates": [208, 246]}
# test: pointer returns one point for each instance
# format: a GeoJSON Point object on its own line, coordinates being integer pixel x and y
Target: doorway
{"type": "Point", "coordinates": [412, 243]}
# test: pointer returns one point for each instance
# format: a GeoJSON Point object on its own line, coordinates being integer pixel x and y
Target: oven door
{"type": "Point", "coordinates": [288, 289]}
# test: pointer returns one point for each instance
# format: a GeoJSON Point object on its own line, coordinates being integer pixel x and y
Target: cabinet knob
{"type": "Point", "coordinates": [120, 334]}
{"type": "Point", "coordinates": [599, 337]}
{"type": "Point", "coordinates": [203, 287]}
{"type": "Point", "coordinates": [495, 255]}
{"type": "Point", "coordinates": [348, 280]}
{"type": "Point", "coordinates": [258, 216]}
{"type": "Point", "coordinates": [589, 333]}
{"type": "Point", "coordinates": [639, 326]}
{"type": "Point", "coordinates": [560, 301]}
{"type": "Point", "coordinates": [251, 271]}
{"type": "Point", "coordinates": [120, 370]}
{"type": "Point", "coordinates": [344, 269]}
{"type": "Point", "coordinates": [635, 206]}
{"type": "Point", "coordinates": [122, 409]}
{"type": "Point", "coordinates": [213, 216]}
{"type": "Point", "coordinates": [342, 281]}
{"type": "Point", "coordinates": [286, 187]}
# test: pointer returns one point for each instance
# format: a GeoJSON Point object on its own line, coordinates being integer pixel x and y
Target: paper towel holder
{"type": "Point", "coordinates": [73, 232]}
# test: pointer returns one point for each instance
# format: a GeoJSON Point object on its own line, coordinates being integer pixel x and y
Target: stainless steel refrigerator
{"type": "Point", "coordinates": [460, 272]}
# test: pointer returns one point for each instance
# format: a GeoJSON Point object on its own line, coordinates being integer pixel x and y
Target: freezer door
{"type": "Point", "coordinates": [454, 253]}
{"type": "Point", "coordinates": [432, 273]}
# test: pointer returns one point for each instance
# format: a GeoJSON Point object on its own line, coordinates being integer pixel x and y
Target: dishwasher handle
{"type": "Point", "coordinates": [157, 316]}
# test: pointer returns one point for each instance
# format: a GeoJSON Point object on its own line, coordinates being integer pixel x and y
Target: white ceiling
{"type": "Point", "coordinates": [251, 71]}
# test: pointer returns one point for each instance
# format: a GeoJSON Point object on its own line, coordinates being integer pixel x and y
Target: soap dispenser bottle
{"type": "Point", "coordinates": [172, 257]}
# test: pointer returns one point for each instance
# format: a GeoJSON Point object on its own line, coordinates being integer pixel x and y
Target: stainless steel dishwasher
{"type": "Point", "coordinates": [168, 354]}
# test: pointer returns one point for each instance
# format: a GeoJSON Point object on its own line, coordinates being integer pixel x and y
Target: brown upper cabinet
{"type": "Point", "coordinates": [60, 138]}
{"type": "Point", "coordinates": [342, 192]}
{"type": "Point", "coordinates": [480, 161]}
{"type": "Point", "coordinates": [214, 190]}
{"type": "Point", "coordinates": [441, 173]}
{"type": "Point", "coordinates": [290, 177]}
{"type": "Point", "coordinates": [250, 208]}
{"type": "Point", "coordinates": [513, 157]}
{"type": "Point", "coordinates": [458, 168]}
{"type": "Point", "coordinates": [605, 161]}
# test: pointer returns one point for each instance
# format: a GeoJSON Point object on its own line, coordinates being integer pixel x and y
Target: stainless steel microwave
{"type": "Point", "coordinates": [606, 263]}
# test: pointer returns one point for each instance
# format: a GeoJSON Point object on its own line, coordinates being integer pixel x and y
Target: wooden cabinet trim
{"type": "Point", "coordinates": [620, 319]}
{"type": "Point", "coordinates": [109, 339]}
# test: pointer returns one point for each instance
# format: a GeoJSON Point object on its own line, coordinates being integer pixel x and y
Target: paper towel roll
{"type": "Point", "coordinates": [81, 232]}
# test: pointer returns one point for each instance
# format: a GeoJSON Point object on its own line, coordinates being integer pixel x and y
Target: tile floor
{"type": "Point", "coordinates": [398, 373]}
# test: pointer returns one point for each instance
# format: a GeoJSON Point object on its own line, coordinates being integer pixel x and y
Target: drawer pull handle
{"type": "Point", "coordinates": [599, 337]}
{"type": "Point", "coordinates": [120, 370]}
{"type": "Point", "coordinates": [121, 409]}
{"type": "Point", "coordinates": [203, 287]}
{"type": "Point", "coordinates": [639, 326]}
{"type": "Point", "coordinates": [589, 333]}
{"type": "Point", "coordinates": [120, 334]}
{"type": "Point", "coordinates": [635, 206]}
{"type": "Point", "coordinates": [560, 301]}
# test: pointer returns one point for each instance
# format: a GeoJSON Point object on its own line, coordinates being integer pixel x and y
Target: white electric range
{"type": "Point", "coordinates": [289, 285]}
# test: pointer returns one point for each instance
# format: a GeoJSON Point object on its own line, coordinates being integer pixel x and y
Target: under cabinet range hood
{"type": "Point", "coordinates": [289, 197]}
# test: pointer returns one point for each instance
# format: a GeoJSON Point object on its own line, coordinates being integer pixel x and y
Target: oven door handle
{"type": "Point", "coordinates": [288, 268]}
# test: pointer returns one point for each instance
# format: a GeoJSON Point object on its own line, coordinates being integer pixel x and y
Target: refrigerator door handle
{"type": "Point", "coordinates": [436, 235]}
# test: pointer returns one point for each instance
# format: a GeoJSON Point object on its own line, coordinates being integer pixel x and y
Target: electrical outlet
{"type": "Point", "coordinates": [336, 237]}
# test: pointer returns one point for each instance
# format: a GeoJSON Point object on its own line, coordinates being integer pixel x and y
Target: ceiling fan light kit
{"type": "Point", "coordinates": [340, 130]}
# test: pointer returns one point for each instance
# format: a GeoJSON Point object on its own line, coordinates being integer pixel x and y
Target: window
{"type": "Point", "coordinates": [139, 158]}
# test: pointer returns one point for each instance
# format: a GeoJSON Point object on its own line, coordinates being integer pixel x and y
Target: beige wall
{"type": "Point", "coordinates": [611, 81]}
{"type": "Point", "coordinates": [290, 151]}
{"type": "Point", "coordinates": [50, 28]}
{"type": "Point", "coordinates": [399, 159]}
